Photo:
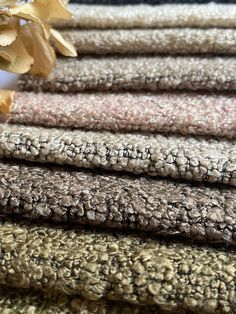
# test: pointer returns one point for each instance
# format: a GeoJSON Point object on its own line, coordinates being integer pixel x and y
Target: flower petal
{"type": "Point", "coordinates": [15, 58]}
{"type": "Point", "coordinates": [42, 12]}
{"type": "Point", "coordinates": [65, 2]}
{"type": "Point", "coordinates": [6, 99]}
{"type": "Point", "coordinates": [8, 32]}
{"type": "Point", "coordinates": [39, 48]}
{"type": "Point", "coordinates": [33, 12]}
{"type": "Point", "coordinates": [7, 2]}
{"type": "Point", "coordinates": [64, 47]}
{"type": "Point", "coordinates": [56, 9]}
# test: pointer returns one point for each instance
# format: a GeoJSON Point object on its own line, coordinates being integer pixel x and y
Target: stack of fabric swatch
{"type": "Point", "coordinates": [118, 171]}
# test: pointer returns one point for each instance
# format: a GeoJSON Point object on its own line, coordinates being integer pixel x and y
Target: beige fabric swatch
{"type": "Point", "coordinates": [147, 16]}
{"type": "Point", "coordinates": [160, 41]}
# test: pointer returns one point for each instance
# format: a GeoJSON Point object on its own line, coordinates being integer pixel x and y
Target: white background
{"type": "Point", "coordinates": [7, 80]}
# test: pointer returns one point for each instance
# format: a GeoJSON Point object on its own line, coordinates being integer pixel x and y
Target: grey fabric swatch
{"type": "Point", "coordinates": [136, 74]}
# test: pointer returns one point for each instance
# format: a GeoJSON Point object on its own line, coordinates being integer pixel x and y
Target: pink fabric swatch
{"type": "Point", "coordinates": [183, 113]}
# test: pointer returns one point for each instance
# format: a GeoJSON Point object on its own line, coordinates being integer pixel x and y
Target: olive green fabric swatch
{"type": "Point", "coordinates": [189, 158]}
{"type": "Point", "coordinates": [24, 301]}
{"type": "Point", "coordinates": [135, 269]}
{"type": "Point", "coordinates": [166, 207]}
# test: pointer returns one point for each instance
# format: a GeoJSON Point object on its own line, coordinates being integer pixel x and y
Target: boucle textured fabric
{"type": "Point", "coordinates": [164, 41]}
{"type": "Point", "coordinates": [117, 201]}
{"type": "Point", "coordinates": [184, 113]}
{"type": "Point", "coordinates": [24, 301]}
{"type": "Point", "coordinates": [119, 2]}
{"type": "Point", "coordinates": [190, 158]}
{"type": "Point", "coordinates": [138, 270]}
{"type": "Point", "coordinates": [136, 74]}
{"type": "Point", "coordinates": [145, 16]}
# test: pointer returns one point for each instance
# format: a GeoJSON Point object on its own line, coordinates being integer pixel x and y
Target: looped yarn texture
{"type": "Point", "coordinates": [184, 113]}
{"type": "Point", "coordinates": [190, 158]}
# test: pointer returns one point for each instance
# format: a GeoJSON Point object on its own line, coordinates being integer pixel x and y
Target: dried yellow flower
{"type": "Point", "coordinates": [26, 46]}
{"type": "Point", "coordinates": [6, 99]}
{"type": "Point", "coordinates": [38, 46]}
{"type": "Point", "coordinates": [64, 47]}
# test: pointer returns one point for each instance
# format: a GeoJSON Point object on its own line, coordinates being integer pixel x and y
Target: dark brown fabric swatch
{"type": "Point", "coordinates": [205, 213]}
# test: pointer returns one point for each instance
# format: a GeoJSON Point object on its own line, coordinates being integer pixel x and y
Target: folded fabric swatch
{"type": "Point", "coordinates": [183, 113]}
{"type": "Point", "coordinates": [97, 265]}
{"type": "Point", "coordinates": [164, 41]}
{"type": "Point", "coordinates": [145, 16]}
{"type": "Point", "coordinates": [136, 74]}
{"type": "Point", "coordinates": [117, 201]}
{"type": "Point", "coordinates": [119, 2]}
{"type": "Point", "coordinates": [24, 301]}
{"type": "Point", "coordinates": [157, 155]}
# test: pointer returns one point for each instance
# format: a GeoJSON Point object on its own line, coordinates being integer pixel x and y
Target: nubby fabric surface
{"type": "Point", "coordinates": [147, 16]}
{"type": "Point", "coordinates": [178, 113]}
{"type": "Point", "coordinates": [169, 208]}
{"type": "Point", "coordinates": [182, 41]}
{"type": "Point", "coordinates": [97, 265]}
{"type": "Point", "coordinates": [151, 74]}
{"type": "Point", "coordinates": [196, 159]}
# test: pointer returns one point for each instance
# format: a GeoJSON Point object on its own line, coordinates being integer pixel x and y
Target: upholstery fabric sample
{"type": "Point", "coordinates": [190, 158]}
{"type": "Point", "coordinates": [183, 113]}
{"type": "Point", "coordinates": [145, 16]}
{"type": "Point", "coordinates": [118, 201]}
{"type": "Point", "coordinates": [160, 41]}
{"type": "Point", "coordinates": [136, 74]}
{"type": "Point", "coordinates": [119, 2]}
{"type": "Point", "coordinates": [24, 301]}
{"type": "Point", "coordinates": [138, 270]}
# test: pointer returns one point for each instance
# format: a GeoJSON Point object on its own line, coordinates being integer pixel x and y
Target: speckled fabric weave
{"type": "Point", "coordinates": [184, 113]}
{"type": "Point", "coordinates": [117, 201]}
{"type": "Point", "coordinates": [145, 16]}
{"type": "Point", "coordinates": [23, 301]}
{"type": "Point", "coordinates": [157, 155]}
{"type": "Point", "coordinates": [136, 74]}
{"type": "Point", "coordinates": [164, 41]}
{"type": "Point", "coordinates": [96, 265]}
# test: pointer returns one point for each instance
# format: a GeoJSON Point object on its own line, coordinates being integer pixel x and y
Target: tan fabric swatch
{"type": "Point", "coordinates": [188, 158]}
